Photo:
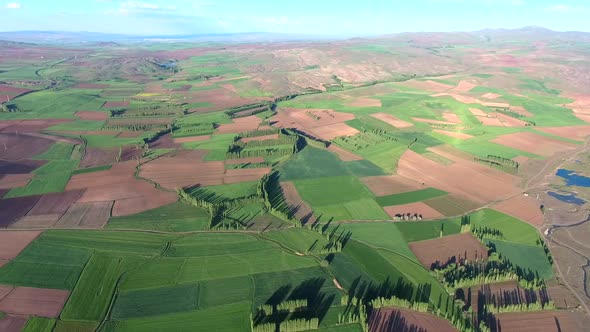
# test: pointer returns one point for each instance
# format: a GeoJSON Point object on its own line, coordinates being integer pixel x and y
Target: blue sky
{"type": "Point", "coordinates": [322, 17]}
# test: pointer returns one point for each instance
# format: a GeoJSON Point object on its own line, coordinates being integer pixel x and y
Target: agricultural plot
{"type": "Point", "coordinates": [449, 249]}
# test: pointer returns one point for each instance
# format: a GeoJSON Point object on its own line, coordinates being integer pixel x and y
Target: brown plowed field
{"type": "Point", "coordinates": [94, 215]}
{"type": "Point", "coordinates": [491, 95]}
{"type": "Point", "coordinates": [38, 220]}
{"type": "Point", "coordinates": [29, 126]}
{"type": "Point", "coordinates": [578, 133]}
{"type": "Point", "coordinates": [163, 142]}
{"type": "Point", "coordinates": [8, 181]}
{"type": "Point", "coordinates": [496, 105]}
{"type": "Point", "coordinates": [303, 211]}
{"type": "Point", "coordinates": [405, 320]}
{"type": "Point", "coordinates": [135, 205]}
{"type": "Point", "coordinates": [523, 207]}
{"type": "Point", "coordinates": [428, 85]}
{"type": "Point", "coordinates": [172, 172]}
{"type": "Point", "coordinates": [323, 123]}
{"type": "Point", "coordinates": [98, 157]}
{"type": "Point", "coordinates": [562, 297]}
{"type": "Point", "coordinates": [460, 98]}
{"type": "Point", "coordinates": [11, 323]}
{"type": "Point", "coordinates": [181, 140]}
{"type": "Point", "coordinates": [434, 121]}
{"type": "Point", "coordinates": [28, 301]}
{"type": "Point", "coordinates": [392, 120]}
{"type": "Point", "coordinates": [453, 134]}
{"type": "Point", "coordinates": [541, 321]}
{"type": "Point", "coordinates": [92, 115]}
{"type": "Point", "coordinates": [244, 174]}
{"type": "Point", "coordinates": [20, 167]}
{"type": "Point", "coordinates": [509, 121]}
{"type": "Point", "coordinates": [419, 209]}
{"type": "Point", "coordinates": [12, 209]}
{"type": "Point", "coordinates": [239, 125]}
{"type": "Point", "coordinates": [129, 134]}
{"type": "Point", "coordinates": [449, 249]}
{"type": "Point", "coordinates": [478, 112]}
{"type": "Point", "coordinates": [115, 104]}
{"type": "Point", "coordinates": [260, 138]}
{"type": "Point", "coordinates": [533, 143]}
{"type": "Point", "coordinates": [459, 177]}
{"type": "Point", "coordinates": [364, 102]}
{"type": "Point", "coordinates": [13, 242]}
{"type": "Point", "coordinates": [499, 294]}
{"type": "Point", "coordinates": [464, 86]}
{"type": "Point", "coordinates": [18, 146]}
{"type": "Point", "coordinates": [55, 203]}
{"type": "Point", "coordinates": [490, 121]}
{"type": "Point", "coordinates": [12, 90]}
{"type": "Point", "coordinates": [250, 160]}
{"type": "Point", "coordinates": [391, 184]}
{"type": "Point", "coordinates": [344, 155]}
{"type": "Point", "coordinates": [451, 117]}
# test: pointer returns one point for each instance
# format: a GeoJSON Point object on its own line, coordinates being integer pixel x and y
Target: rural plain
{"type": "Point", "coordinates": [409, 182]}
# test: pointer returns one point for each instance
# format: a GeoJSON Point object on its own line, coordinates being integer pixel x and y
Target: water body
{"type": "Point", "coordinates": [167, 65]}
{"type": "Point", "coordinates": [573, 179]}
{"type": "Point", "coordinates": [570, 198]}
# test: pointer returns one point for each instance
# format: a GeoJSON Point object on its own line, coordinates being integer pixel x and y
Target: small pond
{"type": "Point", "coordinates": [570, 198]}
{"type": "Point", "coordinates": [573, 179]}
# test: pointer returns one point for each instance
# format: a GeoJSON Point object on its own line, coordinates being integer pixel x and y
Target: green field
{"type": "Point", "coordinates": [410, 197]}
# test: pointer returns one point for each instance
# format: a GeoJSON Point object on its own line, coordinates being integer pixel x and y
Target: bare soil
{"type": "Point", "coordinates": [391, 184]}
{"type": "Point", "coordinates": [92, 115]}
{"type": "Point", "coordinates": [13, 242]}
{"type": "Point", "coordinates": [399, 319]}
{"type": "Point", "coordinates": [10, 323]}
{"type": "Point", "coordinates": [453, 134]}
{"type": "Point", "coordinates": [449, 249]}
{"type": "Point", "coordinates": [578, 133]}
{"type": "Point", "coordinates": [28, 301]}
{"type": "Point", "coordinates": [364, 102]}
{"type": "Point", "coordinates": [344, 155]}
{"type": "Point", "coordinates": [303, 211]}
{"type": "Point", "coordinates": [8, 181]}
{"type": "Point", "coordinates": [533, 143]}
{"type": "Point", "coordinates": [392, 120]}
{"type": "Point", "coordinates": [419, 209]}
{"type": "Point", "coordinates": [542, 321]}
{"type": "Point", "coordinates": [93, 215]}
{"type": "Point", "coordinates": [523, 207]}
{"type": "Point", "coordinates": [181, 140]}
{"type": "Point", "coordinates": [12, 209]}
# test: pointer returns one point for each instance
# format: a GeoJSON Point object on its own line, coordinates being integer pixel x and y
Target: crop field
{"type": "Point", "coordinates": [356, 185]}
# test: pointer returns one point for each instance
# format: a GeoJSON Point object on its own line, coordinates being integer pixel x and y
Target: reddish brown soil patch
{"type": "Point", "coordinates": [452, 205]}
{"type": "Point", "coordinates": [325, 124]}
{"type": "Point", "coordinates": [488, 120]}
{"type": "Point", "coordinates": [12, 90]}
{"type": "Point", "coordinates": [185, 169]}
{"type": "Point", "coordinates": [37, 221]}
{"type": "Point", "coordinates": [118, 183]}
{"type": "Point", "coordinates": [163, 142]}
{"type": "Point", "coordinates": [460, 98]}
{"type": "Point", "coordinates": [97, 157]}
{"type": "Point", "coordinates": [11, 323]}
{"type": "Point", "coordinates": [495, 105]}
{"type": "Point", "coordinates": [533, 143]}
{"type": "Point", "coordinates": [302, 211]}
{"type": "Point", "coordinates": [578, 133]}
{"type": "Point", "coordinates": [391, 184]}
{"type": "Point", "coordinates": [509, 121]}
{"type": "Point", "coordinates": [521, 160]}
{"type": "Point", "coordinates": [399, 319]}
{"type": "Point", "coordinates": [478, 112]}
{"type": "Point", "coordinates": [417, 209]}
{"type": "Point", "coordinates": [392, 120]}
{"type": "Point", "coordinates": [364, 102]}
{"type": "Point", "coordinates": [39, 302]}
{"type": "Point", "coordinates": [429, 85]}
{"type": "Point", "coordinates": [93, 215]}
{"type": "Point", "coordinates": [135, 205]}
{"type": "Point", "coordinates": [520, 110]}
{"type": "Point", "coordinates": [441, 251]}
{"type": "Point", "coordinates": [429, 121]}
{"type": "Point", "coordinates": [251, 160]}
{"type": "Point", "coordinates": [20, 167]}
{"type": "Point", "coordinates": [491, 95]}
{"type": "Point", "coordinates": [344, 155]}
{"type": "Point", "coordinates": [260, 138]}
{"type": "Point", "coordinates": [451, 117]}
{"type": "Point", "coordinates": [92, 115]}
{"type": "Point", "coordinates": [29, 126]}
{"type": "Point", "coordinates": [545, 321]}
{"type": "Point", "coordinates": [181, 140]}
{"type": "Point", "coordinates": [55, 203]}
{"type": "Point", "coordinates": [522, 207]}
{"type": "Point", "coordinates": [90, 86]}
{"type": "Point", "coordinates": [12, 209]}
{"type": "Point", "coordinates": [499, 294]}
{"type": "Point", "coordinates": [14, 180]}
{"type": "Point", "coordinates": [21, 146]}
{"type": "Point", "coordinates": [562, 297]}
{"type": "Point", "coordinates": [453, 134]}
{"type": "Point", "coordinates": [130, 134]}
{"type": "Point", "coordinates": [464, 86]}
{"type": "Point", "coordinates": [13, 242]}
{"type": "Point", "coordinates": [458, 178]}
{"type": "Point", "coordinates": [239, 125]}
{"type": "Point", "coordinates": [245, 174]}
{"type": "Point", "coordinates": [115, 104]}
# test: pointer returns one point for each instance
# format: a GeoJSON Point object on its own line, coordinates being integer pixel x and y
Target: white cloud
{"type": "Point", "coordinates": [13, 5]}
